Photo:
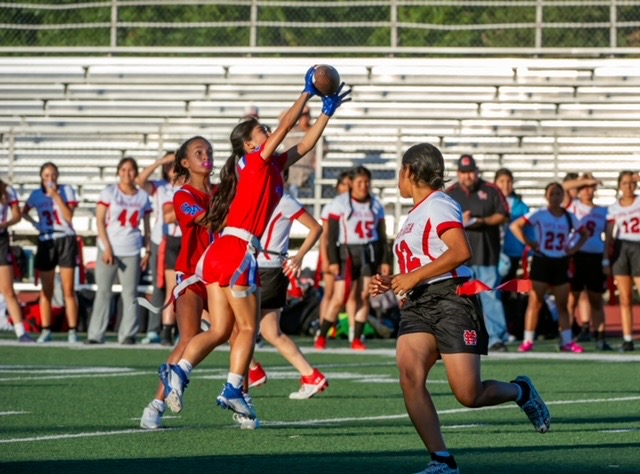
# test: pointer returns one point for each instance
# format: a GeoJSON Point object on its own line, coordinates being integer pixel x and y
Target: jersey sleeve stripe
{"type": "Point", "coordinates": [445, 226]}
{"type": "Point", "coordinates": [105, 204]}
{"type": "Point", "coordinates": [297, 215]}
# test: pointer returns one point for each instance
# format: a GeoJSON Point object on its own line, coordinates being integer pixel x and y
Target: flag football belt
{"type": "Point", "coordinates": [248, 262]}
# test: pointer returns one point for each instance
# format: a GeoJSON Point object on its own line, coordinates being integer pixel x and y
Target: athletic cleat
{"type": "Point", "coordinates": [245, 422]}
{"type": "Point", "coordinates": [310, 386]}
{"type": "Point", "coordinates": [45, 336]}
{"type": "Point", "coordinates": [175, 381]}
{"type": "Point", "coordinates": [535, 408]}
{"type": "Point", "coordinates": [572, 347]}
{"type": "Point", "coordinates": [231, 398]}
{"type": "Point", "coordinates": [358, 345]}
{"type": "Point", "coordinates": [603, 346]}
{"type": "Point", "coordinates": [437, 467]}
{"type": "Point", "coordinates": [72, 337]}
{"type": "Point", "coordinates": [320, 343]}
{"type": "Point", "coordinates": [152, 337]}
{"type": "Point", "coordinates": [627, 346]}
{"type": "Point", "coordinates": [151, 417]}
{"type": "Point", "coordinates": [526, 346]}
{"type": "Point", "coordinates": [257, 376]}
{"type": "Point", "coordinates": [25, 338]}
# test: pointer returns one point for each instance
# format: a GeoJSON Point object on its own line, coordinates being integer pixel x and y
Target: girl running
{"type": "Point", "coordinates": [194, 164]}
{"type": "Point", "coordinates": [57, 246]}
{"type": "Point", "coordinates": [275, 271]}
{"type": "Point", "coordinates": [9, 203]}
{"type": "Point", "coordinates": [435, 322]}
{"type": "Point", "coordinates": [251, 187]}
{"type": "Point", "coordinates": [553, 246]}
{"type": "Point", "coordinates": [623, 233]}
{"type": "Point", "coordinates": [357, 248]}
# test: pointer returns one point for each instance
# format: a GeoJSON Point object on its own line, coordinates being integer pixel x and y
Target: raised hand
{"type": "Point", "coordinates": [309, 88]}
{"type": "Point", "coordinates": [330, 103]}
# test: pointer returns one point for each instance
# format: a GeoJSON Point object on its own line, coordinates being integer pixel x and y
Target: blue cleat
{"type": "Point", "coordinates": [232, 398]}
{"type": "Point", "coordinates": [175, 381]}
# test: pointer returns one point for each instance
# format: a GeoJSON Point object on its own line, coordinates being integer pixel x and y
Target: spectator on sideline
{"type": "Point", "coordinates": [57, 246]}
{"type": "Point", "coordinates": [276, 268]}
{"type": "Point", "coordinates": [357, 250]}
{"type": "Point", "coordinates": [514, 303]}
{"type": "Point", "coordinates": [302, 174]}
{"type": "Point", "coordinates": [553, 245]}
{"type": "Point", "coordinates": [342, 186]}
{"type": "Point", "coordinates": [160, 194]}
{"type": "Point", "coordinates": [484, 211]}
{"type": "Point", "coordinates": [591, 262]}
{"type": "Point", "coordinates": [623, 240]}
{"type": "Point", "coordinates": [9, 203]}
{"type": "Point", "coordinates": [435, 321]}
{"type": "Point", "coordinates": [121, 207]}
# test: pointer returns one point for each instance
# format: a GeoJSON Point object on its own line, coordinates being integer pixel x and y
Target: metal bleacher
{"type": "Point", "coordinates": [539, 117]}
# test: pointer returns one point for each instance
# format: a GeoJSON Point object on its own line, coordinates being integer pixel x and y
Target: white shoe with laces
{"type": "Point", "coordinates": [244, 421]}
{"type": "Point", "coordinates": [152, 416]}
{"type": "Point", "coordinates": [436, 467]}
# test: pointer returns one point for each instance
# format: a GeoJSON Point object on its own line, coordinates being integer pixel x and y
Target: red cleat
{"type": "Point", "coordinates": [257, 376]}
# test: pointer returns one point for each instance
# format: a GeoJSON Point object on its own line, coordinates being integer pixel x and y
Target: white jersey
{"type": "Point", "coordinates": [166, 198]}
{"type": "Point", "coordinates": [5, 208]}
{"type": "Point", "coordinates": [594, 219]}
{"type": "Point", "coordinates": [125, 214]}
{"type": "Point", "coordinates": [275, 240]}
{"type": "Point", "coordinates": [358, 220]}
{"type": "Point", "coordinates": [553, 233]}
{"type": "Point", "coordinates": [418, 243]}
{"type": "Point", "coordinates": [51, 224]}
{"type": "Point", "coordinates": [626, 219]}
{"type": "Point", "coordinates": [157, 203]}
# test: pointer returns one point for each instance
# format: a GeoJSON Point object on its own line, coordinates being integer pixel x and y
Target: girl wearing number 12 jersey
{"type": "Point", "coordinates": [435, 321]}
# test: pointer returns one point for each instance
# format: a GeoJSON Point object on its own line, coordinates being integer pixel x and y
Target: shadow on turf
{"type": "Point", "coordinates": [480, 460]}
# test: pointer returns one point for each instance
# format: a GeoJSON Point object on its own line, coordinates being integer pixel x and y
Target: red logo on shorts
{"type": "Point", "coordinates": [470, 337]}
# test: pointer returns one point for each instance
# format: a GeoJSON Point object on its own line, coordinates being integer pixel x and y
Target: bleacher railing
{"type": "Point", "coordinates": [350, 27]}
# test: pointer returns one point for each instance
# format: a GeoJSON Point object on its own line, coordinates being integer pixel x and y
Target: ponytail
{"type": "Point", "coordinates": [220, 202]}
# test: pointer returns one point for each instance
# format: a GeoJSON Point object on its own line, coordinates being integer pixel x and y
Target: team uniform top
{"type": "Point", "coordinates": [325, 213]}
{"type": "Point", "coordinates": [275, 241]}
{"type": "Point", "coordinates": [626, 219]}
{"type": "Point", "coordinates": [190, 203]}
{"type": "Point", "coordinates": [419, 241]}
{"type": "Point", "coordinates": [166, 198]}
{"type": "Point", "coordinates": [259, 190]}
{"type": "Point", "coordinates": [12, 199]}
{"type": "Point", "coordinates": [594, 219]}
{"type": "Point", "coordinates": [51, 224]}
{"type": "Point", "coordinates": [552, 232]}
{"type": "Point", "coordinates": [358, 220]}
{"type": "Point", "coordinates": [124, 214]}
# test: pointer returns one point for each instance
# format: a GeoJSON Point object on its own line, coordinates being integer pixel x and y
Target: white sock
{"type": "Point", "coordinates": [352, 331]}
{"type": "Point", "coordinates": [19, 329]}
{"type": "Point", "coordinates": [235, 380]}
{"type": "Point", "coordinates": [627, 338]}
{"type": "Point", "coordinates": [529, 336]}
{"type": "Point", "coordinates": [566, 336]}
{"type": "Point", "coordinates": [185, 365]}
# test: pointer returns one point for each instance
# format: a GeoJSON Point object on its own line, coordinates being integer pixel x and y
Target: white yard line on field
{"type": "Point", "coordinates": [77, 435]}
{"type": "Point", "coordinates": [7, 413]}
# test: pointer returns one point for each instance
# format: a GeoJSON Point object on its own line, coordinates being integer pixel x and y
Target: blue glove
{"type": "Point", "coordinates": [330, 103]}
{"type": "Point", "coordinates": [309, 88]}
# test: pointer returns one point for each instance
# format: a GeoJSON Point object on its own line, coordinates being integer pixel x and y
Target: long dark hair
{"type": "Point", "coordinates": [3, 192]}
{"type": "Point", "coordinates": [426, 164]}
{"type": "Point", "coordinates": [181, 154]}
{"type": "Point", "coordinates": [220, 202]}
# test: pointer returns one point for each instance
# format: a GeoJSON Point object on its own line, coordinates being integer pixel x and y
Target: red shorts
{"type": "Point", "coordinates": [221, 260]}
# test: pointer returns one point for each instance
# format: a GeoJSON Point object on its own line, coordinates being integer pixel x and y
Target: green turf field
{"type": "Point", "coordinates": [77, 409]}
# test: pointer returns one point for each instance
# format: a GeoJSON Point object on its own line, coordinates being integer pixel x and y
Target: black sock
{"type": "Point", "coordinates": [325, 327]}
{"type": "Point", "coordinates": [599, 335]}
{"type": "Point", "coordinates": [526, 392]}
{"type": "Point", "coordinates": [167, 331]}
{"type": "Point", "coordinates": [448, 460]}
{"type": "Point", "coordinates": [357, 330]}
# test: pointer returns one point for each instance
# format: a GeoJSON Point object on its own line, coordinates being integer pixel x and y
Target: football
{"type": "Point", "coordinates": [326, 79]}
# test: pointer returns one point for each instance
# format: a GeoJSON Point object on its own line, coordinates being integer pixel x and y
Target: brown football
{"type": "Point", "coordinates": [326, 79]}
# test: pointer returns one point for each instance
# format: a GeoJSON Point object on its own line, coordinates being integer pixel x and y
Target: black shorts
{"type": "Point", "coordinates": [455, 321]}
{"type": "Point", "coordinates": [552, 271]}
{"type": "Point", "coordinates": [626, 258]}
{"type": "Point", "coordinates": [586, 273]}
{"type": "Point", "coordinates": [6, 257]}
{"type": "Point", "coordinates": [273, 288]}
{"type": "Point", "coordinates": [172, 251]}
{"type": "Point", "coordinates": [357, 261]}
{"type": "Point", "coordinates": [62, 252]}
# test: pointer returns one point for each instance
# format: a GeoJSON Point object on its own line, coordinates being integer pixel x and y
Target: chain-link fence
{"type": "Point", "coordinates": [391, 27]}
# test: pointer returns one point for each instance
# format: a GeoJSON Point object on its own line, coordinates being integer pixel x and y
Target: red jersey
{"type": "Point", "coordinates": [189, 203]}
{"type": "Point", "coordinates": [259, 190]}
